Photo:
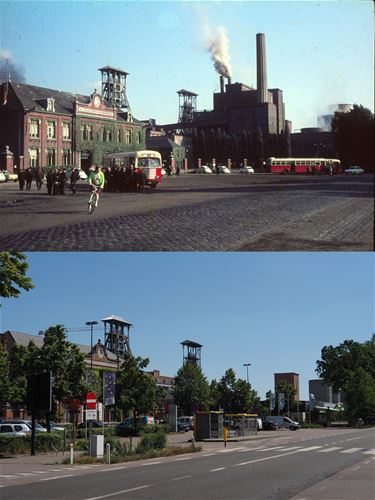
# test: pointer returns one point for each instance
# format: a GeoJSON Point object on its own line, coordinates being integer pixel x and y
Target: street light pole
{"type": "Point", "coordinates": [91, 324]}
{"type": "Point", "coordinates": [247, 371]}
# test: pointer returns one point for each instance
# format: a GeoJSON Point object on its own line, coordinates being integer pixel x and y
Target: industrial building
{"type": "Point", "coordinates": [41, 127]}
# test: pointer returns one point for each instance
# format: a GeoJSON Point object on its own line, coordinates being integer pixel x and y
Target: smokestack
{"type": "Point", "coordinates": [261, 68]}
{"type": "Point", "coordinates": [222, 84]}
{"type": "Point", "coordinates": [229, 80]}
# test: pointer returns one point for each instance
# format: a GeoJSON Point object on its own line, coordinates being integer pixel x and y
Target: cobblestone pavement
{"type": "Point", "coordinates": [198, 213]}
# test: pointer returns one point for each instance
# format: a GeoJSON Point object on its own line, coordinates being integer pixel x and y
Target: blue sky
{"type": "Point", "coordinates": [318, 53]}
{"type": "Point", "coordinates": [273, 310]}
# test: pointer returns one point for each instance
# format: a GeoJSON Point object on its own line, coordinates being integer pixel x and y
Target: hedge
{"type": "Point", "coordinates": [22, 444]}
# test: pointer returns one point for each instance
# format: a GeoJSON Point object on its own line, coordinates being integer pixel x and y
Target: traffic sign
{"type": "Point", "coordinates": [91, 401]}
{"type": "Point", "coordinates": [90, 414]}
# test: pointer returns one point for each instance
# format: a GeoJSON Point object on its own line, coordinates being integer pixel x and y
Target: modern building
{"type": "Point", "coordinates": [42, 127]}
{"type": "Point", "coordinates": [324, 394]}
{"type": "Point", "coordinates": [290, 378]}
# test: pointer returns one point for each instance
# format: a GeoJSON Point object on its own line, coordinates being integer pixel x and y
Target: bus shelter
{"type": "Point", "coordinates": [209, 425]}
{"type": "Point", "coordinates": [241, 424]}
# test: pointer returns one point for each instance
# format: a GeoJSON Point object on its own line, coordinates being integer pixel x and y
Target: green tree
{"type": "Point", "coordinates": [191, 389]}
{"type": "Point", "coordinates": [354, 133]}
{"type": "Point", "coordinates": [350, 366]}
{"type": "Point", "coordinates": [136, 391]}
{"type": "Point", "coordinates": [5, 381]}
{"type": "Point", "coordinates": [235, 395]}
{"type": "Point", "coordinates": [13, 268]}
{"type": "Point", "coordinates": [288, 390]}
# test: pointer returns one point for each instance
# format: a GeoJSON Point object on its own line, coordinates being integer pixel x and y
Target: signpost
{"type": "Point", "coordinates": [91, 401]}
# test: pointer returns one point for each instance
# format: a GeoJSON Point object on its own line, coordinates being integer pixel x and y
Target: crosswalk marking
{"type": "Point", "coordinates": [290, 448]}
{"type": "Point", "coordinates": [351, 450]}
{"type": "Point", "coordinates": [269, 449]}
{"type": "Point", "coordinates": [369, 452]}
{"type": "Point", "coordinates": [333, 448]}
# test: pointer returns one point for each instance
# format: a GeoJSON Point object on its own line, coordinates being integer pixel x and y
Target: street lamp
{"type": "Point", "coordinates": [247, 370]}
{"type": "Point", "coordinates": [91, 323]}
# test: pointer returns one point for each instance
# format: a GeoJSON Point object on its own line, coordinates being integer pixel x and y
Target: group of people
{"type": "Point", "coordinates": [56, 179]}
{"type": "Point", "coordinates": [124, 179]}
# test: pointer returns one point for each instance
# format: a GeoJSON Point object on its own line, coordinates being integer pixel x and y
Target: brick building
{"type": "Point", "coordinates": [289, 378]}
{"type": "Point", "coordinates": [41, 127]}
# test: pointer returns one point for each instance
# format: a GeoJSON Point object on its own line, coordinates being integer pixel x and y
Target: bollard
{"type": "Point", "coordinates": [225, 432]}
{"type": "Point", "coordinates": [108, 451]}
{"type": "Point", "coordinates": [71, 454]}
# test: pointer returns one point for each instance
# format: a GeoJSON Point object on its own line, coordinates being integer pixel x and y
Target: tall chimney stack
{"type": "Point", "coordinates": [222, 84]}
{"type": "Point", "coordinates": [229, 80]}
{"type": "Point", "coordinates": [261, 68]}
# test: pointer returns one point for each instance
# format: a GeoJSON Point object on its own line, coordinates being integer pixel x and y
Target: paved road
{"type": "Point", "coordinates": [282, 467]}
{"type": "Point", "coordinates": [197, 212]}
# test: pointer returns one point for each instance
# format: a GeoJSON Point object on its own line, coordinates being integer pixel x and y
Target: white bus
{"type": "Point", "coordinates": [147, 162]}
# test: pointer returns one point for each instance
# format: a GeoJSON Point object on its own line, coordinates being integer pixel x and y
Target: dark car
{"type": "Point", "coordinates": [270, 426]}
{"type": "Point", "coordinates": [94, 423]}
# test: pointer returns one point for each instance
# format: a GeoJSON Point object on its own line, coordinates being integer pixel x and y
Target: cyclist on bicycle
{"type": "Point", "coordinates": [96, 181]}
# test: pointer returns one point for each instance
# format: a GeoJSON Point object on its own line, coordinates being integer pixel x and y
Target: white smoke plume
{"type": "Point", "coordinates": [217, 43]}
{"type": "Point", "coordinates": [8, 69]}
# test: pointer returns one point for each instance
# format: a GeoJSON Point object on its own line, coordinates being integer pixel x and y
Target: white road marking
{"type": "Point", "coordinates": [215, 470]}
{"type": "Point", "coordinates": [273, 448]}
{"type": "Point", "coordinates": [180, 459]}
{"type": "Point", "coordinates": [40, 471]}
{"type": "Point", "coordinates": [351, 450]}
{"type": "Point", "coordinates": [119, 492]}
{"type": "Point", "coordinates": [179, 478]}
{"type": "Point", "coordinates": [7, 477]}
{"type": "Point", "coordinates": [268, 458]}
{"type": "Point", "coordinates": [310, 448]}
{"type": "Point", "coordinates": [290, 448]}
{"type": "Point", "coordinates": [56, 477]}
{"type": "Point", "coordinates": [352, 439]}
{"type": "Point", "coordinates": [334, 448]}
{"type": "Point", "coordinates": [152, 463]}
{"type": "Point", "coordinates": [369, 452]}
{"type": "Point", "coordinates": [208, 455]}
{"type": "Point", "coordinates": [24, 473]}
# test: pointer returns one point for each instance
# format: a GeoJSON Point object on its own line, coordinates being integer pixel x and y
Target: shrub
{"type": "Point", "coordinates": [22, 444]}
{"type": "Point", "coordinates": [152, 441]}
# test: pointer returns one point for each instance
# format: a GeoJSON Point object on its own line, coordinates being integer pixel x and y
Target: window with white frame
{"type": "Point", "coordinates": [128, 136]}
{"type": "Point", "coordinates": [66, 130]}
{"type": "Point", "coordinates": [51, 104]}
{"type": "Point", "coordinates": [34, 127]}
{"type": "Point", "coordinates": [118, 135]}
{"type": "Point", "coordinates": [89, 133]}
{"type": "Point", "coordinates": [67, 157]}
{"type": "Point", "coordinates": [34, 157]}
{"type": "Point", "coordinates": [51, 157]}
{"type": "Point", "coordinates": [51, 129]}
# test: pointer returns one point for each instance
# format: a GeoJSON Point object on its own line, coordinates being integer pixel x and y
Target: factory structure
{"type": "Point", "coordinates": [41, 127]}
{"type": "Point", "coordinates": [245, 123]}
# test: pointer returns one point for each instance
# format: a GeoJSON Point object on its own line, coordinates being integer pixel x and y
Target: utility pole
{"type": "Point", "coordinates": [91, 324]}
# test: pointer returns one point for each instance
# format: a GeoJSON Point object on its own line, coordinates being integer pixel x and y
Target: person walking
{"type": "Point", "coordinates": [49, 180]}
{"type": "Point", "coordinates": [29, 178]}
{"type": "Point", "coordinates": [21, 179]}
{"type": "Point", "coordinates": [74, 177]}
{"type": "Point", "coordinates": [38, 178]}
{"type": "Point", "coordinates": [62, 181]}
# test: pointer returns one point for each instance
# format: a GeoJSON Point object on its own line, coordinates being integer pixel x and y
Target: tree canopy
{"type": "Point", "coordinates": [354, 133]}
{"type": "Point", "coordinates": [191, 390]}
{"type": "Point", "coordinates": [13, 268]}
{"type": "Point", "coordinates": [350, 366]}
{"type": "Point", "coordinates": [234, 395]}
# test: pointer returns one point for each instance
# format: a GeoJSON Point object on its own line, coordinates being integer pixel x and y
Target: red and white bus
{"type": "Point", "coordinates": [146, 161]}
{"type": "Point", "coordinates": [303, 165]}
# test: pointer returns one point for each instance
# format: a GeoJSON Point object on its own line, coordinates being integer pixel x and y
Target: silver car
{"type": "Point", "coordinates": [14, 429]}
{"type": "Point", "coordinates": [354, 170]}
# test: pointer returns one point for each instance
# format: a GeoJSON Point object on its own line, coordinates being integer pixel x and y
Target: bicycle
{"type": "Point", "coordinates": [94, 199]}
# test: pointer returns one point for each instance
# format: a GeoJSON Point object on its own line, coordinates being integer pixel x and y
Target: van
{"type": "Point", "coordinates": [284, 422]}
{"type": "Point", "coordinates": [185, 423]}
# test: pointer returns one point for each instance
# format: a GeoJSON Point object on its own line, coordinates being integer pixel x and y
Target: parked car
{"type": "Point", "coordinates": [9, 429]}
{"type": "Point", "coordinates": [126, 427]}
{"type": "Point", "coordinates": [185, 424]}
{"type": "Point", "coordinates": [354, 170]}
{"type": "Point", "coordinates": [54, 427]}
{"type": "Point", "coordinates": [246, 170]}
{"type": "Point", "coordinates": [9, 176]}
{"type": "Point", "coordinates": [259, 424]}
{"type": "Point", "coordinates": [38, 427]}
{"type": "Point", "coordinates": [270, 426]}
{"type": "Point", "coordinates": [93, 423]}
{"type": "Point", "coordinates": [223, 169]}
{"type": "Point", "coordinates": [2, 177]}
{"type": "Point", "coordinates": [284, 422]}
{"type": "Point", "coordinates": [203, 169]}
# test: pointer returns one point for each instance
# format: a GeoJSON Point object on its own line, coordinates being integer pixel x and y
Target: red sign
{"type": "Point", "coordinates": [91, 401]}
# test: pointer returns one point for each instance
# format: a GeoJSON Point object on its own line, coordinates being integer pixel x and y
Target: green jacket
{"type": "Point", "coordinates": [97, 178]}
